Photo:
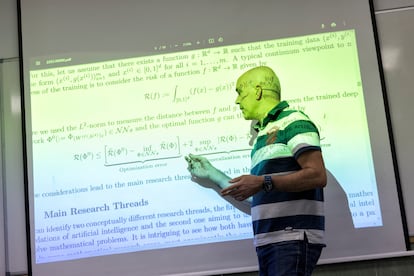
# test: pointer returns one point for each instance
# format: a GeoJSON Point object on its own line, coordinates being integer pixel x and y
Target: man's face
{"type": "Point", "coordinates": [246, 99]}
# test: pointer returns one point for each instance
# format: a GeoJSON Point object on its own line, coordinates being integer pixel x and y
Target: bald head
{"type": "Point", "coordinates": [258, 92]}
{"type": "Point", "coordinates": [262, 76]}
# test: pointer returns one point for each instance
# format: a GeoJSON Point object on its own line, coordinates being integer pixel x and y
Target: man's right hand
{"type": "Point", "coordinates": [199, 166]}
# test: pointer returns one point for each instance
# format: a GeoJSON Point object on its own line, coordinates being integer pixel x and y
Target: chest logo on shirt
{"type": "Point", "coordinates": [272, 135]}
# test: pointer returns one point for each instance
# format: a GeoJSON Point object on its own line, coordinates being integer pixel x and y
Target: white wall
{"type": "Point", "coordinates": [395, 31]}
{"type": "Point", "coordinates": [12, 165]}
{"type": "Point", "coordinates": [380, 5]}
{"type": "Point", "coordinates": [12, 212]}
{"type": "Point", "coordinates": [2, 236]}
{"type": "Point", "coordinates": [9, 46]}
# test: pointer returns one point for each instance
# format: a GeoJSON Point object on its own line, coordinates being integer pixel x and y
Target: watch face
{"type": "Point", "coordinates": [268, 184]}
{"type": "Point", "coordinates": [268, 187]}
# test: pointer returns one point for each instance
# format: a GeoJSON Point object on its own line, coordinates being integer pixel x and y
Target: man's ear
{"type": "Point", "coordinates": [259, 92]}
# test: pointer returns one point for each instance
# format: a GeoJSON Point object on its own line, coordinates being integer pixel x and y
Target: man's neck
{"type": "Point", "coordinates": [266, 109]}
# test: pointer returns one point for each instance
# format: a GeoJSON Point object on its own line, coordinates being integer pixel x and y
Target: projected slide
{"type": "Point", "coordinates": [109, 140]}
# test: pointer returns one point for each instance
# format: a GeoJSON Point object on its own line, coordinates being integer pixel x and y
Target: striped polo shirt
{"type": "Point", "coordinates": [284, 216]}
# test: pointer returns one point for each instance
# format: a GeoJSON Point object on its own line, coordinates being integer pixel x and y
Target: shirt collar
{"type": "Point", "coordinates": [272, 115]}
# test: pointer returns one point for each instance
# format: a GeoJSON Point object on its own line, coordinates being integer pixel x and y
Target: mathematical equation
{"type": "Point", "coordinates": [184, 94]}
{"type": "Point", "coordinates": [163, 149]}
{"type": "Point", "coordinates": [337, 36]}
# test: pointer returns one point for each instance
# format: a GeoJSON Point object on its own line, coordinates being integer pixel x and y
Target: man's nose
{"type": "Point", "coordinates": [237, 100]}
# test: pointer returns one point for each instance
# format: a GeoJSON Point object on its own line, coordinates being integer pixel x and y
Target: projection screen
{"type": "Point", "coordinates": [116, 93]}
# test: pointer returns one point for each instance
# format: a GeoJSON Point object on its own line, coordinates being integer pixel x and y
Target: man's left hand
{"type": "Point", "coordinates": [243, 187]}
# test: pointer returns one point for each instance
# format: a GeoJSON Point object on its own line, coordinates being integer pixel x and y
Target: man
{"type": "Point", "coordinates": [287, 177]}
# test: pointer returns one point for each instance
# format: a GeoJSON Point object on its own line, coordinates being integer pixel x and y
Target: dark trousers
{"type": "Point", "coordinates": [290, 258]}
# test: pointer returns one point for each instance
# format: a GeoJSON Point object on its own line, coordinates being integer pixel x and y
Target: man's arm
{"type": "Point", "coordinates": [201, 168]}
{"type": "Point", "coordinates": [311, 175]}
{"type": "Point", "coordinates": [208, 176]}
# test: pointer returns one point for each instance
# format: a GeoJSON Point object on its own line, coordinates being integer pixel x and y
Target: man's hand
{"type": "Point", "coordinates": [243, 187]}
{"type": "Point", "coordinates": [199, 166]}
{"type": "Point", "coordinates": [208, 176]}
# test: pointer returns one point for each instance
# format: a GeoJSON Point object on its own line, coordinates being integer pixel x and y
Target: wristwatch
{"type": "Point", "coordinates": [267, 183]}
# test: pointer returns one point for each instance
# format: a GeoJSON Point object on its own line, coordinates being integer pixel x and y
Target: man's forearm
{"type": "Point", "coordinates": [220, 179]}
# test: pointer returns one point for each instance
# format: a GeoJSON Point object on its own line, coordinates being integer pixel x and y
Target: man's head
{"type": "Point", "coordinates": [258, 91]}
